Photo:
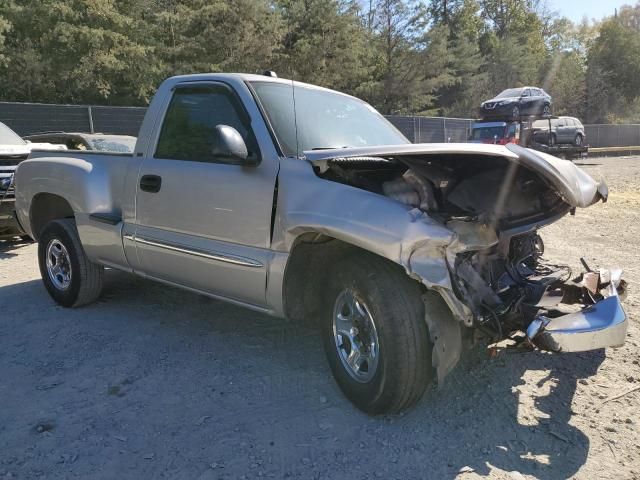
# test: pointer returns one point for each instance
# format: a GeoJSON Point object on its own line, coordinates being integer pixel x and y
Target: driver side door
{"type": "Point", "coordinates": [204, 222]}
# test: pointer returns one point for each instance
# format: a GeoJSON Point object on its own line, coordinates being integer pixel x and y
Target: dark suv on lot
{"type": "Point", "coordinates": [514, 103]}
{"type": "Point", "coordinates": [564, 130]}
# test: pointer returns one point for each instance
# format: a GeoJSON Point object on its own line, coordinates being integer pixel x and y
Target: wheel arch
{"type": "Point", "coordinates": [306, 272]}
{"type": "Point", "coordinates": [46, 207]}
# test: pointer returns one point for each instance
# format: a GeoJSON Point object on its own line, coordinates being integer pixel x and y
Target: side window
{"type": "Point", "coordinates": [526, 92]}
{"type": "Point", "coordinates": [570, 122]}
{"type": "Point", "coordinates": [188, 130]}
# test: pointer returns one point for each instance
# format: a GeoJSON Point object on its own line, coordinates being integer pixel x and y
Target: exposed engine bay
{"type": "Point", "coordinates": [495, 207]}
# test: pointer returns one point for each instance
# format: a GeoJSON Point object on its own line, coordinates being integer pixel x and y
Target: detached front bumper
{"type": "Point", "coordinates": [603, 324]}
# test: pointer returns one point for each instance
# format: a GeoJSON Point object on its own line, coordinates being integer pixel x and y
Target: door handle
{"type": "Point", "coordinates": [150, 183]}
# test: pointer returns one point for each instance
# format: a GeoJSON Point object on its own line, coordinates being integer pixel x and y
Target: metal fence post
{"type": "Point", "coordinates": [90, 112]}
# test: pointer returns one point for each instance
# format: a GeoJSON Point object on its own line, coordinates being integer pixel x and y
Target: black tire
{"type": "Point", "coordinates": [86, 277]}
{"type": "Point", "coordinates": [578, 140]}
{"type": "Point", "coordinates": [546, 110]}
{"type": "Point", "coordinates": [515, 113]}
{"type": "Point", "coordinates": [404, 366]}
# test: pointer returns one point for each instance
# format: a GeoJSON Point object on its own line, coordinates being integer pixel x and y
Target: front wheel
{"type": "Point", "coordinates": [546, 110]}
{"type": "Point", "coordinates": [515, 113]}
{"type": "Point", "coordinates": [69, 276]}
{"type": "Point", "coordinates": [375, 335]}
{"type": "Point", "coordinates": [578, 140]}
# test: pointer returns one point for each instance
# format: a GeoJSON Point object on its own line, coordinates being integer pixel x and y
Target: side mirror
{"type": "Point", "coordinates": [229, 144]}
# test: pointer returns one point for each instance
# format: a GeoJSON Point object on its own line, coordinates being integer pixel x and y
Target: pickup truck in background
{"type": "Point", "coordinates": [305, 203]}
{"type": "Point", "coordinates": [87, 141]}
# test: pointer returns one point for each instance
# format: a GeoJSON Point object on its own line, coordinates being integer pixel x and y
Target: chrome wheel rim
{"type": "Point", "coordinates": [546, 111]}
{"type": "Point", "coordinates": [58, 264]}
{"type": "Point", "coordinates": [355, 336]}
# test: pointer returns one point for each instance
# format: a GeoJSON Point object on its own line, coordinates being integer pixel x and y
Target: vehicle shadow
{"type": "Point", "coordinates": [247, 389]}
{"type": "Point", "coordinates": [515, 413]}
{"type": "Point", "coordinates": [8, 247]}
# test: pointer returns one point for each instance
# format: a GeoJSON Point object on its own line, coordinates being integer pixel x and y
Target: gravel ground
{"type": "Point", "coordinates": [154, 382]}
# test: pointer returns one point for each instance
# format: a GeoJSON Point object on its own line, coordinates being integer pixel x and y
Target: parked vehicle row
{"type": "Point", "coordinates": [13, 150]}
{"type": "Point", "coordinates": [318, 208]}
{"type": "Point", "coordinates": [560, 136]}
{"type": "Point", "coordinates": [87, 141]}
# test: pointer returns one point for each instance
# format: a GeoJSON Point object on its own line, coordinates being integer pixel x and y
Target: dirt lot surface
{"type": "Point", "coordinates": [152, 382]}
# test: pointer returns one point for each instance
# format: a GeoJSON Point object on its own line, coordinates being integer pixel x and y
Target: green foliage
{"type": "Point", "coordinates": [324, 42]}
{"type": "Point", "coordinates": [404, 56]}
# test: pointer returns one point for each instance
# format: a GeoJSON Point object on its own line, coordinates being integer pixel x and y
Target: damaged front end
{"type": "Point", "coordinates": [492, 274]}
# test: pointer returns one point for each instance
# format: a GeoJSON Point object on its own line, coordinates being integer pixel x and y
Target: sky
{"type": "Point", "coordinates": [576, 9]}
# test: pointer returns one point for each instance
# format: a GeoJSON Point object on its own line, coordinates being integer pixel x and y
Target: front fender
{"type": "Point", "coordinates": [408, 237]}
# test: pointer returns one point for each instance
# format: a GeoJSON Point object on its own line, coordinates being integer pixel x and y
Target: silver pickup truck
{"type": "Point", "coordinates": [305, 203]}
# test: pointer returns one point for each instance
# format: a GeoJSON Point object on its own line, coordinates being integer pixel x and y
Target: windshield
{"type": "Point", "coordinates": [487, 133]}
{"type": "Point", "coordinates": [323, 119]}
{"type": "Point", "coordinates": [511, 92]}
{"type": "Point", "coordinates": [9, 137]}
{"type": "Point", "coordinates": [116, 144]}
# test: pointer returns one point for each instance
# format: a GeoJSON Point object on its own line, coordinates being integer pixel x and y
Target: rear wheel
{"type": "Point", "coordinates": [515, 113]}
{"type": "Point", "coordinates": [69, 276]}
{"type": "Point", "coordinates": [375, 335]}
{"type": "Point", "coordinates": [546, 110]}
{"type": "Point", "coordinates": [578, 140]}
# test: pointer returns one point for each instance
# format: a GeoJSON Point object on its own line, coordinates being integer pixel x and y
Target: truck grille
{"type": "Point", "coordinates": [8, 164]}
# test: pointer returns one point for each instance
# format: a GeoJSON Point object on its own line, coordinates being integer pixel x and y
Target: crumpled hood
{"type": "Point", "coordinates": [576, 186]}
{"type": "Point", "coordinates": [573, 184]}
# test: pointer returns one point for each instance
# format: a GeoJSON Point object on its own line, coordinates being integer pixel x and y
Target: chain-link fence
{"type": "Point", "coordinates": [612, 135]}
{"type": "Point", "coordinates": [432, 129]}
{"type": "Point", "coordinates": [30, 118]}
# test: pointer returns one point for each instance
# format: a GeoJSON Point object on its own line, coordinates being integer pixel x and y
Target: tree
{"type": "Point", "coordinates": [75, 50]}
{"type": "Point", "coordinates": [395, 86]}
{"type": "Point", "coordinates": [567, 85]}
{"type": "Point", "coordinates": [214, 35]}
{"type": "Point", "coordinates": [470, 86]}
{"type": "Point", "coordinates": [5, 28]}
{"type": "Point", "coordinates": [325, 42]}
